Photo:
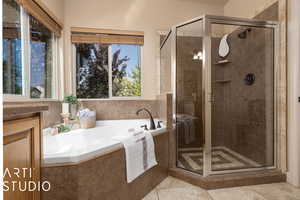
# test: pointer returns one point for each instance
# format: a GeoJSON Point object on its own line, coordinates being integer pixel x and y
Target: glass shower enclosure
{"type": "Point", "coordinates": [222, 73]}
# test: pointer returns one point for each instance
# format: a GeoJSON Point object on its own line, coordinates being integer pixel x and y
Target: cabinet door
{"type": "Point", "coordinates": [21, 161]}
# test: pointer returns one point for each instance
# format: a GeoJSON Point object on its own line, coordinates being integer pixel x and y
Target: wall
{"type": "Point", "coordinates": [293, 175]}
{"type": "Point", "coordinates": [165, 72]}
{"type": "Point", "coordinates": [57, 7]}
{"type": "Point", "coordinates": [246, 9]}
{"type": "Point", "coordinates": [141, 15]}
{"type": "Point", "coordinates": [121, 109]}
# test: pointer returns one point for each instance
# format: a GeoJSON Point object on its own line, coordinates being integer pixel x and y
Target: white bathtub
{"type": "Point", "coordinates": [83, 144]}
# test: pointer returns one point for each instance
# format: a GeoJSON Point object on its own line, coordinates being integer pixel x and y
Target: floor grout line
{"type": "Point", "coordinates": [209, 195]}
{"type": "Point", "coordinates": [156, 192]}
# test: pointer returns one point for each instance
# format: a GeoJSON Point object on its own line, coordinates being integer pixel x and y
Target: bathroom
{"type": "Point", "coordinates": [140, 100]}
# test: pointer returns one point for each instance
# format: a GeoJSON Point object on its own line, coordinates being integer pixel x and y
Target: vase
{"type": "Point", "coordinates": [73, 110]}
{"type": "Point", "coordinates": [65, 108]}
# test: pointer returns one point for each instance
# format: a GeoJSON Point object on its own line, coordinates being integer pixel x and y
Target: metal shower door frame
{"type": "Point", "coordinates": [208, 20]}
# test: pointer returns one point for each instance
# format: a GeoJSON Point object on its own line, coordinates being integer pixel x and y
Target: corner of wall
{"type": "Point", "coordinates": [293, 43]}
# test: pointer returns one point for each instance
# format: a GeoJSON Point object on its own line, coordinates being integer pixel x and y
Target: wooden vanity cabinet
{"type": "Point", "coordinates": [21, 153]}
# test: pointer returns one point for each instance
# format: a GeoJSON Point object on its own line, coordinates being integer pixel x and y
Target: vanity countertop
{"type": "Point", "coordinates": [13, 110]}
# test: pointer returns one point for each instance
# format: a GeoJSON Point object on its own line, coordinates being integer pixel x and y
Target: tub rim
{"type": "Point", "coordinates": [102, 152]}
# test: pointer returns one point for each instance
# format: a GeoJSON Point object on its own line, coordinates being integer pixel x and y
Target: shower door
{"type": "Point", "coordinates": [223, 82]}
{"type": "Point", "coordinates": [188, 95]}
{"type": "Point", "coordinates": [240, 95]}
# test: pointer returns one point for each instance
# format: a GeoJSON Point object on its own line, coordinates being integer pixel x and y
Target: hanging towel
{"type": "Point", "coordinates": [224, 47]}
{"type": "Point", "coordinates": [187, 123]}
{"type": "Point", "coordinates": [140, 154]}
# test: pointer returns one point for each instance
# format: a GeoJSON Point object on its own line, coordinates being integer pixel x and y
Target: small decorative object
{"type": "Point", "coordinates": [65, 108]}
{"type": "Point", "coordinates": [224, 47]}
{"type": "Point", "coordinates": [63, 128]}
{"type": "Point", "coordinates": [73, 102]}
{"type": "Point", "coordinates": [54, 131]}
{"type": "Point", "coordinates": [65, 117]}
{"type": "Point", "coordinates": [87, 118]}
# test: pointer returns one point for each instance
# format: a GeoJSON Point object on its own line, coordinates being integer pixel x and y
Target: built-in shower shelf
{"type": "Point", "coordinates": [222, 62]}
{"type": "Point", "coordinates": [223, 81]}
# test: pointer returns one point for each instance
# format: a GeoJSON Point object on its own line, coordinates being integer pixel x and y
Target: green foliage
{"type": "Point", "coordinates": [92, 70]}
{"type": "Point", "coordinates": [132, 86]}
{"type": "Point", "coordinates": [71, 99]}
{"type": "Point", "coordinates": [11, 75]}
{"type": "Point", "coordinates": [72, 118]}
{"type": "Point", "coordinates": [63, 129]}
{"type": "Point", "coordinates": [92, 73]}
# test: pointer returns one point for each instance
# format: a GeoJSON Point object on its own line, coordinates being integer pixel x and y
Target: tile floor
{"type": "Point", "coordinates": [174, 189]}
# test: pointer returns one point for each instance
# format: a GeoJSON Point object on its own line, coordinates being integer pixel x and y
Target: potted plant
{"type": "Point", "coordinates": [70, 105]}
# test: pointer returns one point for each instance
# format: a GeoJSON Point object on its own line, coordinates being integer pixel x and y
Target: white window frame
{"type": "Point", "coordinates": [26, 65]}
{"type": "Point", "coordinates": [110, 97]}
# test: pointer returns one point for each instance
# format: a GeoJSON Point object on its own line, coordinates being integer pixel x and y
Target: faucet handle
{"type": "Point", "coordinates": [145, 127]}
{"type": "Point", "coordinates": [158, 124]}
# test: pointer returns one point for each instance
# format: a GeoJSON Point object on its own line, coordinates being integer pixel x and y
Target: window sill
{"type": "Point", "coordinates": [119, 99]}
{"type": "Point", "coordinates": [19, 98]}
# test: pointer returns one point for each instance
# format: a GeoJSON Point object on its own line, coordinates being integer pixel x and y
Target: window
{"type": "Point", "coordinates": [12, 49]}
{"type": "Point", "coordinates": [108, 70]}
{"type": "Point", "coordinates": [41, 60]}
{"type": "Point", "coordinates": [92, 71]}
{"type": "Point", "coordinates": [126, 70]}
{"type": "Point", "coordinates": [29, 51]}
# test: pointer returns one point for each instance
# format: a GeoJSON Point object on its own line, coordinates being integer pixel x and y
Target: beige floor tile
{"type": "Point", "coordinates": [151, 196]}
{"type": "Point", "coordinates": [183, 194]}
{"type": "Point", "coordinates": [235, 194]}
{"type": "Point", "coordinates": [277, 191]}
{"type": "Point", "coordinates": [174, 189]}
{"type": "Point", "coordinates": [171, 182]}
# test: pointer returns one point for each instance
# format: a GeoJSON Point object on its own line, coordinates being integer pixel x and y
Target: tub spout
{"type": "Point", "coordinates": [152, 124]}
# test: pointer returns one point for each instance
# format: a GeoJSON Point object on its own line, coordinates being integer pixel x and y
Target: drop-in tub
{"type": "Point", "coordinates": [83, 144]}
{"type": "Point", "coordinates": [91, 164]}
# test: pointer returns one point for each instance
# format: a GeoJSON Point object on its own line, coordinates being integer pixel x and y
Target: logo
{"type": "Point", "coordinates": [21, 179]}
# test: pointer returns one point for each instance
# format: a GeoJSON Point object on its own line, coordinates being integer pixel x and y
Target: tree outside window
{"type": "Point", "coordinates": [94, 69]}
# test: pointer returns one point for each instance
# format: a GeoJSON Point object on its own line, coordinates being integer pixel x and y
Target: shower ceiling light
{"type": "Point", "coordinates": [198, 55]}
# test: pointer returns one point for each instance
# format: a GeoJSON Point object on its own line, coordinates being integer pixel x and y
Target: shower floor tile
{"type": "Point", "coordinates": [222, 159]}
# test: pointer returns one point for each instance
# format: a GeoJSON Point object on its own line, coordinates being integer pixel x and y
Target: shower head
{"type": "Point", "coordinates": [243, 34]}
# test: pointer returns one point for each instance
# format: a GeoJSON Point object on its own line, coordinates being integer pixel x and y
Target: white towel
{"type": "Point", "coordinates": [140, 154]}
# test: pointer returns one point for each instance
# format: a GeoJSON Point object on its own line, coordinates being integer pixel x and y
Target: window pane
{"type": "Point", "coordinates": [92, 71]}
{"type": "Point", "coordinates": [126, 70]}
{"type": "Point", "coordinates": [41, 61]}
{"type": "Point", "coordinates": [12, 48]}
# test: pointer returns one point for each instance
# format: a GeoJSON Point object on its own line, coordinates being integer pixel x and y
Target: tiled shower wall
{"type": "Point", "coordinates": [189, 86]}
{"type": "Point", "coordinates": [242, 115]}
